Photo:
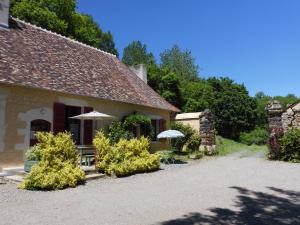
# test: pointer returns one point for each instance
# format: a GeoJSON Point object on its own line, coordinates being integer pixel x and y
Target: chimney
{"type": "Point", "coordinates": [4, 13]}
{"type": "Point", "coordinates": [140, 70]}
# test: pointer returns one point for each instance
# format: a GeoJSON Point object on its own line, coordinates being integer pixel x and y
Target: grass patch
{"type": "Point", "coordinates": [226, 146]}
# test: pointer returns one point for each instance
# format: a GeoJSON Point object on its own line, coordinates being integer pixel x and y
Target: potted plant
{"type": "Point", "coordinates": [33, 156]}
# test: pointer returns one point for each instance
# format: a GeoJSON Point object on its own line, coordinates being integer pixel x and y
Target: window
{"type": "Point", "coordinates": [158, 125]}
{"type": "Point", "coordinates": [73, 125]}
{"type": "Point", "coordinates": [38, 126]}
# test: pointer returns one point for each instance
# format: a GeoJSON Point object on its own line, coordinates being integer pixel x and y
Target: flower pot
{"type": "Point", "coordinates": [28, 164]}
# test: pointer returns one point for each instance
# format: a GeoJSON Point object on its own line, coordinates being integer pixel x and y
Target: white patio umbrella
{"type": "Point", "coordinates": [94, 115]}
{"type": "Point", "coordinates": [170, 134]}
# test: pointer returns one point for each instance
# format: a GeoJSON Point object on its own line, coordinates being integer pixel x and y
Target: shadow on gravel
{"type": "Point", "coordinates": [252, 208]}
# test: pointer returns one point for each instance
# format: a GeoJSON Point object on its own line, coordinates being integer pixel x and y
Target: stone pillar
{"type": "Point", "coordinates": [207, 133]}
{"type": "Point", "coordinates": [275, 110]}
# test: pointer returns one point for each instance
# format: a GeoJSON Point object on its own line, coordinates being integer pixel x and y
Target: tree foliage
{"type": "Point", "coordinates": [60, 16]}
{"type": "Point", "coordinates": [166, 83]}
{"type": "Point", "coordinates": [181, 62]}
{"type": "Point", "coordinates": [136, 53]}
{"type": "Point", "coordinates": [234, 109]}
{"type": "Point", "coordinates": [197, 95]}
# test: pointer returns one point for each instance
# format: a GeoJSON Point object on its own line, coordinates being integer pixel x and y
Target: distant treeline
{"type": "Point", "coordinates": [177, 79]}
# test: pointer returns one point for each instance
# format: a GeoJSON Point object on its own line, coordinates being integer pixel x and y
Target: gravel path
{"type": "Point", "coordinates": [225, 190]}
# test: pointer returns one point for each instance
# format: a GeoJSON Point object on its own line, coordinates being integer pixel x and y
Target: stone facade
{"type": "Point", "coordinates": [291, 117]}
{"type": "Point", "coordinates": [280, 121]}
{"type": "Point", "coordinates": [275, 110]}
{"type": "Point", "coordinates": [207, 132]}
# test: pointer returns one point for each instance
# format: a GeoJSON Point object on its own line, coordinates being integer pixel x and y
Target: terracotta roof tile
{"type": "Point", "coordinates": [34, 57]}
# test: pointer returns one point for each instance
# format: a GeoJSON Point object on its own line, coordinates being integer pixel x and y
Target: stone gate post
{"type": "Point", "coordinates": [207, 132]}
{"type": "Point", "coordinates": [275, 110]}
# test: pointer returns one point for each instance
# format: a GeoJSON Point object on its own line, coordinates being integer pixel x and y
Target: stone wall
{"type": "Point", "coordinates": [291, 117]}
{"type": "Point", "coordinates": [207, 132]}
{"type": "Point", "coordinates": [274, 110]}
{"type": "Point", "coordinates": [280, 121]}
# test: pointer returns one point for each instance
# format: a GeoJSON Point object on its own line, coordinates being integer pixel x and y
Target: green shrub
{"type": "Point", "coordinates": [194, 142]}
{"type": "Point", "coordinates": [34, 153]}
{"type": "Point", "coordinates": [125, 157]}
{"type": "Point", "coordinates": [117, 131]}
{"type": "Point", "coordinates": [131, 121]}
{"type": "Point", "coordinates": [290, 146]}
{"type": "Point", "coordinates": [191, 139]}
{"type": "Point", "coordinates": [58, 166]}
{"type": "Point", "coordinates": [259, 136]}
{"type": "Point", "coordinates": [166, 157]}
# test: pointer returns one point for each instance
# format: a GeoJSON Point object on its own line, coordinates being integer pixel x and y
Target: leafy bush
{"type": "Point", "coordinates": [34, 153]}
{"type": "Point", "coordinates": [290, 146]}
{"type": "Point", "coordinates": [125, 157]}
{"type": "Point", "coordinates": [191, 139]}
{"type": "Point", "coordinates": [167, 157]}
{"type": "Point", "coordinates": [258, 136]}
{"type": "Point", "coordinates": [194, 142]}
{"type": "Point", "coordinates": [58, 166]}
{"type": "Point", "coordinates": [117, 131]}
{"type": "Point", "coordinates": [131, 121]}
{"type": "Point", "coordinates": [135, 119]}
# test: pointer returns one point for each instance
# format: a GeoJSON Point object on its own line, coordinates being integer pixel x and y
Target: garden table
{"type": "Point", "coordinates": [87, 151]}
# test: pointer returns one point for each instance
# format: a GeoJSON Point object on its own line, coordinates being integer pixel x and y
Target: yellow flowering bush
{"type": "Point", "coordinates": [58, 167]}
{"type": "Point", "coordinates": [125, 157]}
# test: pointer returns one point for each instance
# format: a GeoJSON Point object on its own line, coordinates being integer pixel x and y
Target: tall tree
{"type": "Point", "coordinates": [197, 95]}
{"type": "Point", "coordinates": [60, 16]}
{"type": "Point", "coordinates": [234, 110]}
{"type": "Point", "coordinates": [166, 83]}
{"type": "Point", "coordinates": [181, 62]}
{"type": "Point", "coordinates": [136, 53]}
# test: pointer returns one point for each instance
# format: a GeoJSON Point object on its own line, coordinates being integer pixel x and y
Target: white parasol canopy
{"type": "Point", "coordinates": [170, 134]}
{"type": "Point", "coordinates": [94, 115]}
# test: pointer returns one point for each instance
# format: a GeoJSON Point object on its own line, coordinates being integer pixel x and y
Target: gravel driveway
{"type": "Point", "coordinates": [225, 190]}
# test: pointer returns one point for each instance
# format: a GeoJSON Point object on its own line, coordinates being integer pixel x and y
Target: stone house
{"type": "Point", "coordinates": [46, 78]}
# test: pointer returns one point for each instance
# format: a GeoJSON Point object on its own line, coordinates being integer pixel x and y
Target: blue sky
{"type": "Point", "coordinates": [255, 42]}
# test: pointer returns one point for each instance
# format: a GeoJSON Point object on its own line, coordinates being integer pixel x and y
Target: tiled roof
{"type": "Point", "coordinates": [34, 57]}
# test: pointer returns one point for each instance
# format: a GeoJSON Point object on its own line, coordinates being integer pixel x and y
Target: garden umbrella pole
{"type": "Point", "coordinates": [94, 115]}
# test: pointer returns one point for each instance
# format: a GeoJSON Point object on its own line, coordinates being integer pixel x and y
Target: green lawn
{"type": "Point", "coordinates": [226, 146]}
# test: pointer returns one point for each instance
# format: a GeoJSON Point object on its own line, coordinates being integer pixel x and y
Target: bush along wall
{"type": "Point", "coordinates": [126, 129]}
{"type": "Point", "coordinates": [124, 158]}
{"type": "Point", "coordinates": [290, 146]}
{"type": "Point", "coordinates": [58, 166]}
